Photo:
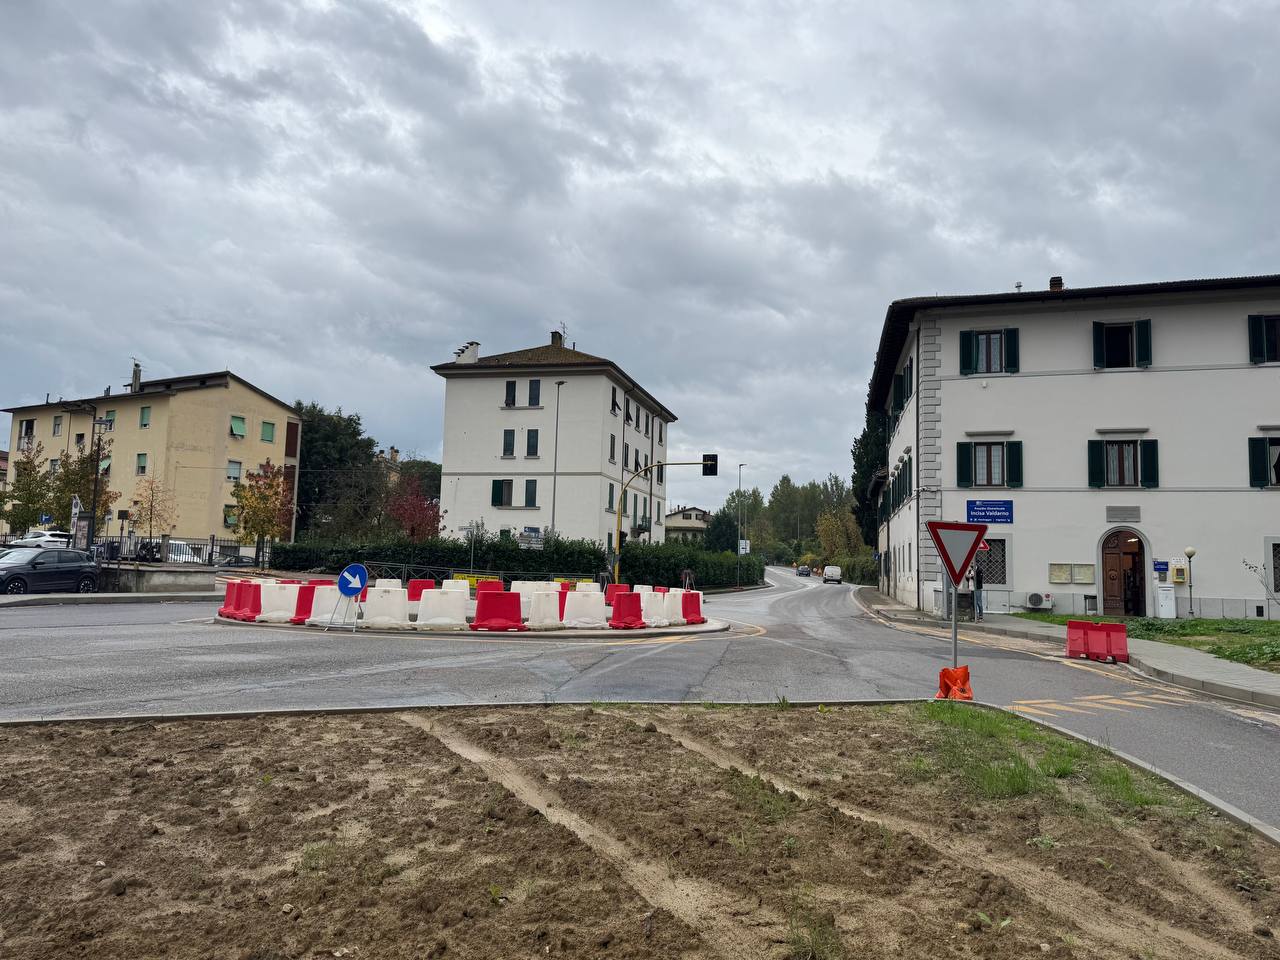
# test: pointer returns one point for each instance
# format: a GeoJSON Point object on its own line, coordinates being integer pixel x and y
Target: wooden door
{"type": "Point", "coordinates": [1124, 586]}
{"type": "Point", "coordinates": [1112, 576]}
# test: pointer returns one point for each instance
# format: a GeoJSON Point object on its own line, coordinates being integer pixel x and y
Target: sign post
{"type": "Point", "coordinates": [351, 581]}
{"type": "Point", "coordinates": [957, 543]}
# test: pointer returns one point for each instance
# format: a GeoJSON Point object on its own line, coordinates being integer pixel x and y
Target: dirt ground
{"type": "Point", "coordinates": [640, 832]}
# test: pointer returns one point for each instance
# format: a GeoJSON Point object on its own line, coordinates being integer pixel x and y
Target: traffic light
{"type": "Point", "coordinates": [710, 464]}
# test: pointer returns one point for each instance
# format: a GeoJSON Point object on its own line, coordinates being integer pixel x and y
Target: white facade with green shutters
{"type": "Point", "coordinates": [1099, 432]}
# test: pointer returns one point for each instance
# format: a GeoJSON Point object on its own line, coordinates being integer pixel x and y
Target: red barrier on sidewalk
{"type": "Point", "coordinates": [661, 589]}
{"type": "Point", "coordinates": [1076, 632]}
{"type": "Point", "coordinates": [691, 607]}
{"type": "Point", "coordinates": [498, 610]}
{"type": "Point", "coordinates": [485, 586]}
{"type": "Point", "coordinates": [232, 600]}
{"type": "Point", "coordinates": [1117, 642]}
{"type": "Point", "coordinates": [626, 612]}
{"type": "Point", "coordinates": [302, 609]}
{"type": "Point", "coordinates": [417, 586]}
{"type": "Point", "coordinates": [611, 590]}
{"type": "Point", "coordinates": [250, 604]}
{"type": "Point", "coordinates": [953, 684]}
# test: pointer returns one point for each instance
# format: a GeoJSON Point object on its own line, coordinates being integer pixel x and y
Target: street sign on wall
{"type": "Point", "coordinates": [989, 511]}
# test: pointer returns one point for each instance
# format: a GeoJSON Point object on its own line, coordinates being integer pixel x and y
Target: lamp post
{"type": "Point", "coordinates": [738, 575]}
{"type": "Point", "coordinates": [97, 474]}
{"type": "Point", "coordinates": [555, 457]}
{"type": "Point", "coordinates": [1191, 590]}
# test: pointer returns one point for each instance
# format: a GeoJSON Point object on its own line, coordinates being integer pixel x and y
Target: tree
{"type": "Point", "coordinates": [340, 484]}
{"type": "Point", "coordinates": [29, 495]}
{"type": "Point", "coordinates": [153, 507]}
{"type": "Point", "coordinates": [838, 532]}
{"type": "Point", "coordinates": [722, 530]}
{"type": "Point", "coordinates": [416, 514]}
{"type": "Point", "coordinates": [425, 471]}
{"type": "Point", "coordinates": [75, 478]}
{"type": "Point", "coordinates": [263, 507]}
{"type": "Point", "coordinates": [870, 452]}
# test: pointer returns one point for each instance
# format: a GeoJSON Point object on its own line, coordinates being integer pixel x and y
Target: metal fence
{"type": "Point", "coordinates": [416, 571]}
{"type": "Point", "coordinates": [211, 550]}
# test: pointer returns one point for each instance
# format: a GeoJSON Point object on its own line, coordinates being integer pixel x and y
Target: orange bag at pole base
{"type": "Point", "coordinates": [953, 684]}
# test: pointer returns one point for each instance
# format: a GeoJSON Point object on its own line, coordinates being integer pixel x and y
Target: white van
{"type": "Point", "coordinates": [832, 574]}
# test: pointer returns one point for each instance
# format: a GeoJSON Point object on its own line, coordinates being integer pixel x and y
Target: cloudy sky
{"type": "Point", "coordinates": [328, 197]}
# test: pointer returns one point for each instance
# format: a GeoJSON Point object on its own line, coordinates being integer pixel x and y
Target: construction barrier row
{"type": "Point", "coordinates": [1097, 641]}
{"type": "Point", "coordinates": [388, 605]}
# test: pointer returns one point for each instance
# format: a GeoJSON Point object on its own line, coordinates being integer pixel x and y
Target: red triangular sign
{"type": "Point", "coordinates": [983, 546]}
{"type": "Point", "coordinates": [957, 543]}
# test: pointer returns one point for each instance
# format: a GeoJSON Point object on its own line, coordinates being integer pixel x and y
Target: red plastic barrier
{"type": "Point", "coordinates": [498, 610]}
{"type": "Point", "coordinates": [485, 586]}
{"type": "Point", "coordinates": [1076, 630]}
{"type": "Point", "coordinates": [563, 594]}
{"type": "Point", "coordinates": [364, 594]}
{"type": "Point", "coordinates": [302, 609]}
{"type": "Point", "coordinates": [953, 684]}
{"type": "Point", "coordinates": [691, 607]}
{"type": "Point", "coordinates": [626, 612]}
{"type": "Point", "coordinates": [288, 581]}
{"type": "Point", "coordinates": [566, 586]}
{"type": "Point", "coordinates": [322, 582]}
{"type": "Point", "coordinates": [1117, 642]}
{"type": "Point", "coordinates": [661, 589]}
{"type": "Point", "coordinates": [611, 590]}
{"type": "Point", "coordinates": [417, 586]}
{"type": "Point", "coordinates": [232, 600]}
{"type": "Point", "coordinates": [250, 604]}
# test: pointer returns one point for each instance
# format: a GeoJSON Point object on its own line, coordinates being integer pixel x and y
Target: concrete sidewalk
{"type": "Point", "coordinates": [1184, 666]}
{"type": "Point", "coordinates": [76, 599]}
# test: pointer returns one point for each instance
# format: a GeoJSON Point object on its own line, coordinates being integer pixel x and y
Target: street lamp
{"type": "Point", "coordinates": [1191, 602]}
{"type": "Point", "coordinates": [555, 457]}
{"type": "Point", "coordinates": [738, 576]}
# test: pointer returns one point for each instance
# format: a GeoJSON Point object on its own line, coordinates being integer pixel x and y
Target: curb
{"type": "Point", "coordinates": [1228, 810]}
{"type": "Point", "coordinates": [711, 626]}
{"type": "Point", "coordinates": [78, 599]}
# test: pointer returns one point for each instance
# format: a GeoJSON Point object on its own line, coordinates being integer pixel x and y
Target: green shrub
{"type": "Point", "coordinates": [661, 564]}
{"type": "Point", "coordinates": [858, 569]}
{"type": "Point", "coordinates": [492, 554]}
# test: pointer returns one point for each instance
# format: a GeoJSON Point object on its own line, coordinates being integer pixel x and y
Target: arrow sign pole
{"type": "Point", "coordinates": [957, 543]}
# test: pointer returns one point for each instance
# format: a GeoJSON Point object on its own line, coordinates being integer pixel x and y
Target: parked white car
{"type": "Point", "coordinates": [42, 538]}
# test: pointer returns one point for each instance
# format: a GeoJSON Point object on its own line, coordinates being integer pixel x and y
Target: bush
{"type": "Point", "coordinates": [492, 554]}
{"type": "Point", "coordinates": [661, 563]}
{"type": "Point", "coordinates": [859, 569]}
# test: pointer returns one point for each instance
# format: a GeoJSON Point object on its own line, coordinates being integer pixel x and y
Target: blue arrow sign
{"type": "Point", "coordinates": [352, 580]}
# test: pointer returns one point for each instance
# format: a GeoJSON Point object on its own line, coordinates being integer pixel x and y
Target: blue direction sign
{"type": "Point", "coordinates": [989, 511]}
{"type": "Point", "coordinates": [353, 578]}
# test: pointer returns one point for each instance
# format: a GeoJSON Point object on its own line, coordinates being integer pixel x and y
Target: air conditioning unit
{"type": "Point", "coordinates": [1039, 601]}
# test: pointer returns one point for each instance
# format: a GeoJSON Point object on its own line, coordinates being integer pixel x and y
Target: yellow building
{"type": "Point", "coordinates": [199, 434]}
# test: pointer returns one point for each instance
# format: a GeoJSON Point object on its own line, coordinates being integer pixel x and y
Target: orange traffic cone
{"type": "Point", "coordinates": [953, 684]}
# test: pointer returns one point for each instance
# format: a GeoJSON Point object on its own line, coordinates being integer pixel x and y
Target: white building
{"type": "Point", "coordinates": [1099, 431]}
{"type": "Point", "coordinates": [544, 439]}
{"type": "Point", "coordinates": [688, 524]}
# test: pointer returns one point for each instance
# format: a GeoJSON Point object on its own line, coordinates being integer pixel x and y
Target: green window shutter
{"type": "Point", "coordinates": [964, 464]}
{"type": "Point", "coordinates": [910, 477]}
{"type": "Point", "coordinates": [967, 350]}
{"type": "Point", "coordinates": [1013, 463]}
{"type": "Point", "coordinates": [144, 417]}
{"type": "Point", "coordinates": [1149, 457]}
{"type": "Point", "coordinates": [496, 499]}
{"type": "Point", "coordinates": [531, 493]}
{"type": "Point", "coordinates": [268, 432]}
{"type": "Point", "coordinates": [531, 443]}
{"type": "Point", "coordinates": [899, 392]}
{"type": "Point", "coordinates": [1142, 343]}
{"type": "Point", "coordinates": [1097, 461]}
{"type": "Point", "coordinates": [1011, 350]}
{"type": "Point", "coordinates": [237, 427]}
{"type": "Point", "coordinates": [1257, 340]}
{"type": "Point", "coordinates": [1259, 468]}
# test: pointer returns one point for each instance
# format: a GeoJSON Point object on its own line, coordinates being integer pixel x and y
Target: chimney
{"type": "Point", "coordinates": [107, 392]}
{"type": "Point", "coordinates": [557, 338]}
{"type": "Point", "coordinates": [135, 384]}
{"type": "Point", "coordinates": [394, 454]}
{"type": "Point", "coordinates": [1055, 283]}
{"type": "Point", "coordinates": [469, 352]}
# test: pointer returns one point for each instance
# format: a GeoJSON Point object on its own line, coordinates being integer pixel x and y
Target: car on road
{"type": "Point", "coordinates": [46, 570]}
{"type": "Point", "coordinates": [238, 560]}
{"type": "Point", "coordinates": [803, 571]}
{"type": "Point", "coordinates": [180, 551]}
{"type": "Point", "coordinates": [832, 574]}
{"type": "Point", "coordinates": [42, 538]}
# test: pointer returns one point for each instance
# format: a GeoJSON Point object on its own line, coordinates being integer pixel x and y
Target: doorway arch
{"type": "Point", "coordinates": [1124, 574]}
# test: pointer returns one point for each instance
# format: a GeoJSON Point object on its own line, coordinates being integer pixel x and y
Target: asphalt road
{"type": "Point", "coordinates": [801, 639]}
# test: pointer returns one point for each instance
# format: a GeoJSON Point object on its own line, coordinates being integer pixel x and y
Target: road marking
{"type": "Point", "coordinates": [1130, 703]}
{"type": "Point", "coordinates": [1032, 710]}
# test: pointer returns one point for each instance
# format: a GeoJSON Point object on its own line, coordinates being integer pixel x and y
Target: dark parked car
{"type": "Point", "coordinates": [39, 570]}
{"type": "Point", "coordinates": [802, 571]}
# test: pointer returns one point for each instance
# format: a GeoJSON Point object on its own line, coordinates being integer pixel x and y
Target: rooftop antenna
{"type": "Point", "coordinates": [564, 331]}
{"type": "Point", "coordinates": [1018, 286]}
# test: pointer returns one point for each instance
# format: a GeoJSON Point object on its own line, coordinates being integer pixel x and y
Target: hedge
{"type": "Point", "coordinates": [860, 569]}
{"type": "Point", "coordinates": [662, 563]}
{"type": "Point", "coordinates": [577, 557]}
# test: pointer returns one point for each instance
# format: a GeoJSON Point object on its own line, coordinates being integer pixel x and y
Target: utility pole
{"type": "Point", "coordinates": [97, 476]}
{"type": "Point", "coordinates": [555, 456]}
{"type": "Point", "coordinates": [738, 575]}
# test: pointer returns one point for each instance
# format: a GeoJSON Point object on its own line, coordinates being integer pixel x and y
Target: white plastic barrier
{"type": "Point", "coordinates": [584, 610]}
{"type": "Point", "coordinates": [526, 605]}
{"type": "Point", "coordinates": [386, 608]}
{"type": "Point", "coordinates": [642, 588]}
{"type": "Point", "coordinates": [544, 610]}
{"type": "Point", "coordinates": [443, 609]}
{"type": "Point", "coordinates": [455, 585]}
{"type": "Point", "coordinates": [279, 600]}
{"type": "Point", "coordinates": [653, 609]}
{"type": "Point", "coordinates": [587, 586]}
{"type": "Point", "coordinates": [388, 582]}
{"type": "Point", "coordinates": [672, 608]}
{"type": "Point", "coordinates": [322, 607]}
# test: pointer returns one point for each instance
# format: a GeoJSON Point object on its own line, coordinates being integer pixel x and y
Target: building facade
{"type": "Point", "coordinates": [687, 524]}
{"type": "Point", "coordinates": [200, 434]}
{"type": "Point", "coordinates": [1099, 432]}
{"type": "Point", "coordinates": [546, 438]}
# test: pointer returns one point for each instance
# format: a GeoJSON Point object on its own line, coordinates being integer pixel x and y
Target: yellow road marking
{"type": "Point", "coordinates": [1130, 703]}
{"type": "Point", "coordinates": [1063, 706]}
{"type": "Point", "coordinates": [1035, 701]}
{"type": "Point", "coordinates": [1168, 698]}
{"type": "Point", "coordinates": [1098, 705]}
{"type": "Point", "coordinates": [1039, 713]}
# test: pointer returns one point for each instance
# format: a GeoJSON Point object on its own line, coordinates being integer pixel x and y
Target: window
{"type": "Point", "coordinates": [1264, 461]}
{"type": "Point", "coordinates": [502, 493]}
{"type": "Point", "coordinates": [686, 516]}
{"type": "Point", "coordinates": [992, 563]}
{"type": "Point", "coordinates": [613, 448]}
{"type": "Point", "coordinates": [510, 399]}
{"type": "Point", "coordinates": [508, 443]}
{"type": "Point", "coordinates": [988, 464]}
{"type": "Point", "coordinates": [291, 431]}
{"type": "Point", "coordinates": [140, 469]}
{"type": "Point", "coordinates": [26, 434]}
{"type": "Point", "coordinates": [1124, 463]}
{"type": "Point", "coordinates": [1121, 345]}
{"type": "Point", "coordinates": [627, 402]}
{"type": "Point", "coordinates": [531, 493]}
{"type": "Point", "coordinates": [268, 432]}
{"type": "Point", "coordinates": [646, 461]}
{"type": "Point", "coordinates": [144, 417]}
{"type": "Point", "coordinates": [238, 427]}
{"type": "Point", "coordinates": [1275, 567]}
{"type": "Point", "coordinates": [990, 352]}
{"type": "Point", "coordinates": [609, 502]}
{"type": "Point", "coordinates": [79, 439]}
{"type": "Point", "coordinates": [635, 505]}
{"type": "Point", "coordinates": [57, 426]}
{"type": "Point", "coordinates": [984, 351]}
{"type": "Point", "coordinates": [637, 466]}
{"type": "Point", "coordinates": [110, 425]}
{"type": "Point", "coordinates": [659, 431]}
{"type": "Point", "coordinates": [623, 502]}
{"type": "Point", "coordinates": [230, 515]}
{"type": "Point", "coordinates": [613, 408]}
{"type": "Point", "coordinates": [531, 443]}
{"type": "Point", "coordinates": [662, 467]}
{"type": "Point", "coordinates": [646, 423]}
{"type": "Point", "coordinates": [609, 541]}
{"type": "Point", "coordinates": [105, 467]}
{"type": "Point", "coordinates": [535, 393]}
{"type": "Point", "coordinates": [233, 471]}
{"type": "Point", "coordinates": [54, 463]}
{"type": "Point", "coordinates": [1264, 339]}
{"type": "Point", "coordinates": [626, 456]}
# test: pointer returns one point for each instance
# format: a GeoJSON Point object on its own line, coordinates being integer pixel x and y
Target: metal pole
{"type": "Point", "coordinates": [955, 626]}
{"type": "Point", "coordinates": [97, 472]}
{"type": "Point", "coordinates": [738, 575]}
{"type": "Point", "coordinates": [555, 457]}
{"type": "Point", "coordinates": [1191, 601]}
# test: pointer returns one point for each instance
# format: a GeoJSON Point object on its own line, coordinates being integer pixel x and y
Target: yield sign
{"type": "Point", "coordinates": [983, 546]}
{"type": "Point", "coordinates": [957, 543]}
